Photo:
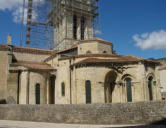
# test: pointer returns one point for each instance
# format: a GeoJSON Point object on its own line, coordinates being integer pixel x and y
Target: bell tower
{"type": "Point", "coordinates": [73, 20]}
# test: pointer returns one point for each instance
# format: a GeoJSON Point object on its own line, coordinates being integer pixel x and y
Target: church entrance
{"type": "Point", "coordinates": [110, 81]}
{"type": "Point", "coordinates": [52, 90]}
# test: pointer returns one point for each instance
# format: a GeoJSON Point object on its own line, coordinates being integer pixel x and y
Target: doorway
{"type": "Point", "coordinates": [52, 90]}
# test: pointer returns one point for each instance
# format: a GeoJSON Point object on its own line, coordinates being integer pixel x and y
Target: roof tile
{"type": "Point", "coordinates": [33, 65]}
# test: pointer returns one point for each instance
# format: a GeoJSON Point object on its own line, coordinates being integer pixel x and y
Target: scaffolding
{"type": "Point", "coordinates": [44, 17]}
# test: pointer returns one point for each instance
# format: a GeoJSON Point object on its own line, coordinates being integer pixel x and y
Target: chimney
{"type": "Point", "coordinates": [9, 40]}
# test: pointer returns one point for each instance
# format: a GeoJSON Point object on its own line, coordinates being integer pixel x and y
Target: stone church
{"type": "Point", "coordinates": [80, 70]}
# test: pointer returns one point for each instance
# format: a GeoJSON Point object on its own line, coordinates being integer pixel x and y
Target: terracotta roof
{"type": "Point", "coordinates": [115, 56]}
{"type": "Point", "coordinates": [27, 49]}
{"type": "Point", "coordinates": [3, 46]}
{"type": "Point", "coordinates": [76, 45]}
{"type": "Point", "coordinates": [33, 65]}
{"type": "Point", "coordinates": [32, 50]}
{"type": "Point", "coordinates": [98, 55]}
{"type": "Point", "coordinates": [162, 67]}
{"type": "Point", "coordinates": [113, 59]}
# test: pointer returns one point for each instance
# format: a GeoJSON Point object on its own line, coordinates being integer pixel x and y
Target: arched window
{"type": "Point", "coordinates": [37, 91]}
{"type": "Point", "coordinates": [88, 91]}
{"type": "Point", "coordinates": [74, 26]}
{"type": "Point", "coordinates": [104, 51]}
{"type": "Point", "coordinates": [150, 81]}
{"type": "Point", "coordinates": [63, 89]}
{"type": "Point", "coordinates": [128, 89]}
{"type": "Point", "coordinates": [82, 27]}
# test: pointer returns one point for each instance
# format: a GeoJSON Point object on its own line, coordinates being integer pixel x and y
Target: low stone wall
{"type": "Point", "coordinates": [127, 113]}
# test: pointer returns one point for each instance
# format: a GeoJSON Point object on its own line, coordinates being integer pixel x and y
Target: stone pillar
{"type": "Point", "coordinates": [23, 87]}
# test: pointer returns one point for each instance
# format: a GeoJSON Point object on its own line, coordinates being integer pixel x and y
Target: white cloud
{"type": "Point", "coordinates": [17, 15]}
{"type": "Point", "coordinates": [15, 6]}
{"type": "Point", "coordinates": [97, 32]}
{"type": "Point", "coordinates": [153, 40]}
{"type": "Point", "coordinates": [9, 4]}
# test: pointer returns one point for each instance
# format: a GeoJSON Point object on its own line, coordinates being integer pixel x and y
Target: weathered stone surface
{"type": "Point", "coordinates": [126, 113]}
{"type": "Point", "coordinates": [3, 73]}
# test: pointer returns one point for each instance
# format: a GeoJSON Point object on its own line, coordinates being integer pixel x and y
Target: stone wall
{"type": "Point", "coordinates": [162, 74]}
{"type": "Point", "coordinates": [12, 88]}
{"type": "Point", "coordinates": [126, 113]}
{"type": "Point", "coordinates": [163, 94]}
{"type": "Point", "coordinates": [62, 76]}
{"type": "Point", "coordinates": [21, 56]}
{"type": "Point", "coordinates": [97, 75]}
{"type": "Point", "coordinates": [28, 81]}
{"type": "Point", "coordinates": [95, 47]}
{"type": "Point", "coordinates": [3, 73]}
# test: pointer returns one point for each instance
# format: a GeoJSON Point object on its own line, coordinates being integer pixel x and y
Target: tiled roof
{"type": "Point", "coordinates": [27, 49]}
{"type": "Point", "coordinates": [76, 45]}
{"type": "Point", "coordinates": [112, 59]}
{"type": "Point", "coordinates": [32, 50]}
{"type": "Point", "coordinates": [162, 67]}
{"type": "Point", "coordinates": [101, 55]}
{"type": "Point", "coordinates": [3, 46]}
{"type": "Point", "coordinates": [33, 65]}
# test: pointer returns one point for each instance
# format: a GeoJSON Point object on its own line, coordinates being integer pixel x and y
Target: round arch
{"type": "Point", "coordinates": [127, 76]}
{"type": "Point", "coordinates": [109, 85]}
{"type": "Point", "coordinates": [150, 82]}
{"type": "Point", "coordinates": [150, 75]}
{"type": "Point", "coordinates": [127, 80]}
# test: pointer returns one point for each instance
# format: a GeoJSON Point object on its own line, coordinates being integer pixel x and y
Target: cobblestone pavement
{"type": "Point", "coordinates": [24, 124]}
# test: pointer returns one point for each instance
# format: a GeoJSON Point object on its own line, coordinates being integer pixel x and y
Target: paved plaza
{"type": "Point", "coordinates": [24, 124]}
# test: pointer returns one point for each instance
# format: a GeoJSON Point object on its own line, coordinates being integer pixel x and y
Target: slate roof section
{"type": "Point", "coordinates": [33, 65]}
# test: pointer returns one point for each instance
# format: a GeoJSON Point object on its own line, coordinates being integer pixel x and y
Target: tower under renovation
{"type": "Point", "coordinates": [62, 22]}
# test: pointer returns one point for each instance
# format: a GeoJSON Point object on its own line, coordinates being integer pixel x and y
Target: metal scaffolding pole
{"type": "Point", "coordinates": [45, 17]}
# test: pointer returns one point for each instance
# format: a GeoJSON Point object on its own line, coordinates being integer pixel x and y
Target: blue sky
{"type": "Point", "coordinates": [135, 27]}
